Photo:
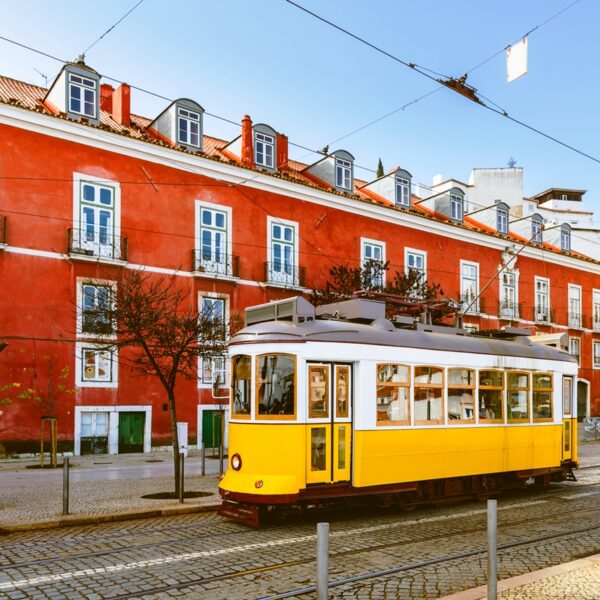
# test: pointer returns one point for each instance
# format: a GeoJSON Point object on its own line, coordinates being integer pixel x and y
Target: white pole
{"type": "Point", "coordinates": [492, 574]}
{"type": "Point", "coordinates": [322, 560]}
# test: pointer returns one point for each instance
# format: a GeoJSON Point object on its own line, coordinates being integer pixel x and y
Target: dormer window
{"type": "Point", "coordinates": [537, 224]}
{"type": "Point", "coordinates": [188, 127]}
{"type": "Point", "coordinates": [82, 95]}
{"type": "Point", "coordinates": [402, 191]}
{"type": "Point", "coordinates": [456, 207]}
{"type": "Point", "coordinates": [343, 173]}
{"type": "Point", "coordinates": [502, 219]}
{"type": "Point", "coordinates": [565, 238]}
{"type": "Point", "coordinates": [264, 150]}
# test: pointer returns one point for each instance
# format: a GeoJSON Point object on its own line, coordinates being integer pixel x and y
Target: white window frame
{"type": "Point", "coordinates": [221, 269]}
{"type": "Point", "coordinates": [574, 317]}
{"type": "Point", "coordinates": [79, 179]}
{"type": "Point", "coordinates": [189, 116]}
{"type": "Point", "coordinates": [596, 354]}
{"type": "Point", "coordinates": [577, 340]}
{"type": "Point", "coordinates": [343, 173]}
{"type": "Point", "coordinates": [596, 309]}
{"type": "Point", "coordinates": [537, 234]}
{"type": "Point", "coordinates": [80, 347]}
{"type": "Point", "coordinates": [292, 280]}
{"type": "Point", "coordinates": [565, 236]}
{"type": "Point", "coordinates": [403, 191]}
{"type": "Point", "coordinates": [226, 317]}
{"type": "Point", "coordinates": [82, 86]}
{"type": "Point", "coordinates": [508, 312]}
{"type": "Point", "coordinates": [367, 242]}
{"type": "Point", "coordinates": [457, 208]}
{"type": "Point", "coordinates": [463, 291]}
{"type": "Point", "coordinates": [538, 312]}
{"type": "Point", "coordinates": [265, 141]}
{"type": "Point", "coordinates": [81, 282]}
{"type": "Point", "coordinates": [502, 219]}
{"type": "Point", "coordinates": [413, 251]}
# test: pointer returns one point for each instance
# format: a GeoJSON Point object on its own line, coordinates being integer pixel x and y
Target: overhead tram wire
{"type": "Point", "coordinates": [469, 96]}
{"type": "Point", "coordinates": [112, 27]}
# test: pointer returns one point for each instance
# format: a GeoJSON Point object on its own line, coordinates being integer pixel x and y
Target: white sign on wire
{"type": "Point", "coordinates": [516, 60]}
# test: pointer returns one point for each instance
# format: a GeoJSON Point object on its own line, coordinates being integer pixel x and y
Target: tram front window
{"type": "Point", "coordinates": [276, 384]}
{"type": "Point", "coordinates": [240, 368]}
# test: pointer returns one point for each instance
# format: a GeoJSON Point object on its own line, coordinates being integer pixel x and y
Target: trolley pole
{"type": "Point", "coordinates": [492, 574]}
{"type": "Point", "coordinates": [203, 463]}
{"type": "Point", "coordinates": [181, 476]}
{"type": "Point", "coordinates": [65, 485]}
{"type": "Point", "coordinates": [322, 561]}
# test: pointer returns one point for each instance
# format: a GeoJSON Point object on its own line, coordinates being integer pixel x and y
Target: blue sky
{"type": "Point", "coordinates": [281, 66]}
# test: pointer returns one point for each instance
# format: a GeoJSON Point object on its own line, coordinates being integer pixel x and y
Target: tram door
{"type": "Point", "coordinates": [329, 430]}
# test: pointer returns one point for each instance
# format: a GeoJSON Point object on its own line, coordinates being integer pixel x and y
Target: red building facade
{"type": "Point", "coordinates": [87, 189]}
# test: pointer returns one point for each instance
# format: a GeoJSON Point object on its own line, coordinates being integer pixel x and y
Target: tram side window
{"type": "Point", "coordinates": [491, 397]}
{"type": "Point", "coordinates": [241, 368]}
{"type": "Point", "coordinates": [542, 396]}
{"type": "Point", "coordinates": [518, 396]}
{"type": "Point", "coordinates": [318, 381]}
{"type": "Point", "coordinates": [461, 395]}
{"type": "Point", "coordinates": [276, 385]}
{"type": "Point", "coordinates": [393, 395]}
{"type": "Point", "coordinates": [429, 396]}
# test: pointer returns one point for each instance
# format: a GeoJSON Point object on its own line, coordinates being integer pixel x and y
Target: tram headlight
{"type": "Point", "coordinates": [236, 462]}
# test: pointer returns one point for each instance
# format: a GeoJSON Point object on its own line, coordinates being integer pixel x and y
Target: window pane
{"type": "Point", "coordinates": [341, 447]}
{"type": "Point", "coordinates": [428, 405]}
{"type": "Point", "coordinates": [318, 393]}
{"type": "Point", "coordinates": [318, 447]}
{"type": "Point", "coordinates": [567, 395]}
{"type": "Point", "coordinates": [518, 405]}
{"type": "Point", "coordinates": [490, 405]}
{"type": "Point", "coordinates": [241, 367]}
{"type": "Point", "coordinates": [88, 193]}
{"type": "Point", "coordinates": [276, 385]}
{"type": "Point", "coordinates": [392, 405]}
{"type": "Point", "coordinates": [393, 373]}
{"type": "Point", "coordinates": [342, 391]}
{"type": "Point", "coordinates": [429, 375]}
{"type": "Point", "coordinates": [542, 405]}
{"type": "Point", "coordinates": [461, 404]}
{"type": "Point", "coordinates": [105, 196]}
{"type": "Point", "coordinates": [461, 377]}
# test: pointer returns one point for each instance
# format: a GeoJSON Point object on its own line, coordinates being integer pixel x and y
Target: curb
{"type": "Point", "coordinates": [69, 521]}
{"type": "Point", "coordinates": [504, 585]}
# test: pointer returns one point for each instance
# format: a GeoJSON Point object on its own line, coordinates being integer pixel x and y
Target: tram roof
{"type": "Point", "coordinates": [383, 333]}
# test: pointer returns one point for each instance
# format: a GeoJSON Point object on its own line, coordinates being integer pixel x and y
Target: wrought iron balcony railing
{"type": "Point", "coordinates": [473, 306]}
{"type": "Point", "coordinates": [508, 310]}
{"type": "Point", "coordinates": [215, 264]}
{"type": "Point", "coordinates": [575, 320]}
{"type": "Point", "coordinates": [543, 314]}
{"type": "Point", "coordinates": [97, 243]}
{"type": "Point", "coordinates": [280, 273]}
{"type": "Point", "coordinates": [3, 220]}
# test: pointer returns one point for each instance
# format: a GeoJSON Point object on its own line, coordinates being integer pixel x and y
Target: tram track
{"type": "Point", "coordinates": [555, 494]}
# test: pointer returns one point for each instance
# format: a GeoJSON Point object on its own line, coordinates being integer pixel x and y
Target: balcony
{"type": "Point", "coordinates": [279, 274]}
{"type": "Point", "coordinates": [3, 241]}
{"type": "Point", "coordinates": [222, 266]}
{"type": "Point", "coordinates": [596, 322]}
{"type": "Point", "coordinates": [543, 314]}
{"type": "Point", "coordinates": [575, 320]}
{"type": "Point", "coordinates": [508, 310]}
{"type": "Point", "coordinates": [97, 245]}
{"type": "Point", "coordinates": [477, 307]}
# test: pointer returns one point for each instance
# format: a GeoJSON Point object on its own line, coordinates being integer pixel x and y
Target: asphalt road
{"type": "Point", "coordinates": [203, 556]}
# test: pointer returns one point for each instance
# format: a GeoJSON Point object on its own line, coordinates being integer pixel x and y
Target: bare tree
{"type": "Point", "coordinates": [153, 317]}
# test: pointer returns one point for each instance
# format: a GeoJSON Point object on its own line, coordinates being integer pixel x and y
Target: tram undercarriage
{"type": "Point", "coordinates": [254, 509]}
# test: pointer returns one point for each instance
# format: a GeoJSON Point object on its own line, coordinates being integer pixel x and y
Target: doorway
{"type": "Point", "coordinates": [131, 432]}
{"type": "Point", "coordinates": [583, 399]}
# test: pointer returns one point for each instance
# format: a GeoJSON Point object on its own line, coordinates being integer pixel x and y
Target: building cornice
{"type": "Point", "coordinates": [228, 174]}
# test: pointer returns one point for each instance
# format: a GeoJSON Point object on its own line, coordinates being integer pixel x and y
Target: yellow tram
{"type": "Point", "coordinates": [338, 403]}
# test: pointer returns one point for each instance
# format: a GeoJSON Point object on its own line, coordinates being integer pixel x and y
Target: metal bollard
{"type": "Point", "coordinates": [181, 476]}
{"type": "Point", "coordinates": [322, 561]}
{"type": "Point", "coordinates": [203, 467]}
{"type": "Point", "coordinates": [221, 459]}
{"type": "Point", "coordinates": [492, 574]}
{"type": "Point", "coordinates": [65, 485]}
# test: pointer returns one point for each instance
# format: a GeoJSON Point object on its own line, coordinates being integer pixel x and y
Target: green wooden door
{"type": "Point", "coordinates": [131, 432]}
{"type": "Point", "coordinates": [211, 428]}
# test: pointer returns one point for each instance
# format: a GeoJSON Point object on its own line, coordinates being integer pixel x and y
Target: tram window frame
{"type": "Point", "coordinates": [567, 399]}
{"type": "Point", "coordinates": [340, 385]}
{"type": "Point", "coordinates": [392, 385]}
{"type": "Point", "coordinates": [429, 386]}
{"type": "Point", "coordinates": [237, 415]}
{"type": "Point", "coordinates": [511, 388]}
{"type": "Point", "coordinates": [257, 385]}
{"type": "Point", "coordinates": [542, 390]}
{"type": "Point", "coordinates": [482, 387]}
{"type": "Point", "coordinates": [321, 385]}
{"type": "Point", "coordinates": [464, 388]}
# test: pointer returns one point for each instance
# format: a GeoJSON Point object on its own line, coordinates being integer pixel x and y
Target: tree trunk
{"type": "Point", "coordinates": [175, 438]}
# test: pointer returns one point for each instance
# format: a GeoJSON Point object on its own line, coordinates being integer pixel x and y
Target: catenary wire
{"type": "Point", "coordinates": [113, 26]}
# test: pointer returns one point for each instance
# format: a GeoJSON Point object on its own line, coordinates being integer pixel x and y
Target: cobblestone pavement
{"type": "Point", "coordinates": [203, 556]}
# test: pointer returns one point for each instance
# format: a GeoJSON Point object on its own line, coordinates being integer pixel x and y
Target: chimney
{"type": "Point", "coordinates": [122, 105]}
{"type": "Point", "coordinates": [282, 151]}
{"type": "Point", "coordinates": [106, 97]}
{"type": "Point", "coordinates": [247, 143]}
